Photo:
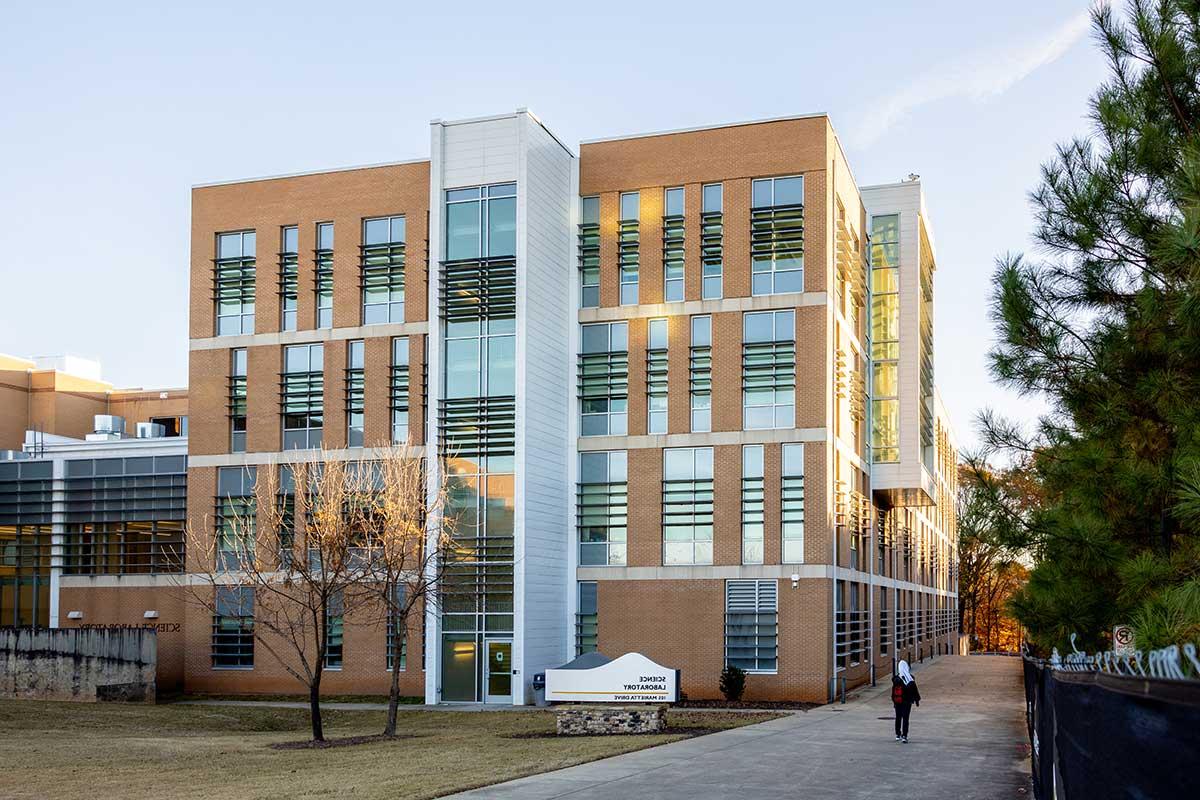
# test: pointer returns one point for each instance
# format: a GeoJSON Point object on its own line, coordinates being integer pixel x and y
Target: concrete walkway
{"type": "Point", "coordinates": [967, 741]}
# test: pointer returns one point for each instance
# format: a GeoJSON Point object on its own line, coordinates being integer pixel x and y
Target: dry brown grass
{"type": "Point", "coordinates": [66, 750]}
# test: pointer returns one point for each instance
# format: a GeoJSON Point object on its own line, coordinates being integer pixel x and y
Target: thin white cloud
{"type": "Point", "coordinates": [986, 74]}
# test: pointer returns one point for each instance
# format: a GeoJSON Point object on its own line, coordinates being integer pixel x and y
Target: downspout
{"type": "Point", "coordinates": [871, 626]}
{"type": "Point", "coordinates": [833, 588]}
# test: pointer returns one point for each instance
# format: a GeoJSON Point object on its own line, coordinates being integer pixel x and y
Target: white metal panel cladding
{"type": "Point", "coordinates": [545, 306]}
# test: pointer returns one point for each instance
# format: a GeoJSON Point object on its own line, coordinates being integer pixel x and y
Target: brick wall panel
{"type": "Point", "coordinates": [692, 269]}
{"type": "Point", "coordinates": [650, 266]}
{"type": "Point", "coordinates": [208, 401]}
{"type": "Point", "coordinates": [727, 511]}
{"type": "Point", "coordinates": [263, 421]}
{"type": "Point", "coordinates": [679, 400]}
{"type": "Point", "coordinates": [645, 508]}
{"type": "Point", "coordinates": [727, 372]}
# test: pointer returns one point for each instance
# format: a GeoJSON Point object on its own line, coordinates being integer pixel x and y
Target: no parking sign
{"type": "Point", "coordinates": [1123, 640]}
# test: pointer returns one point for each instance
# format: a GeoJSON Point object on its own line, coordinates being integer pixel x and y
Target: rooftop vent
{"type": "Point", "coordinates": [107, 427]}
{"type": "Point", "coordinates": [151, 430]}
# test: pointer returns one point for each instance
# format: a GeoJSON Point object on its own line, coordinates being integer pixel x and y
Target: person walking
{"type": "Point", "coordinates": [904, 694]}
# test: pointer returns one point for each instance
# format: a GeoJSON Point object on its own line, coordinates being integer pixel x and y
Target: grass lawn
{"type": "Point", "coordinates": [77, 750]}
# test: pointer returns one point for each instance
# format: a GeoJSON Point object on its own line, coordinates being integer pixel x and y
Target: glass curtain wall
{"type": "Point", "coordinates": [477, 428]}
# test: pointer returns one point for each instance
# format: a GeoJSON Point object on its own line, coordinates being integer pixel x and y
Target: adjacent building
{"type": "Point", "coordinates": [680, 383]}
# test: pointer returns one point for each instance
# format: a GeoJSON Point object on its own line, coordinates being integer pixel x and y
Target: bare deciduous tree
{"type": "Point", "coordinates": [297, 548]}
{"type": "Point", "coordinates": [407, 543]}
{"type": "Point", "coordinates": [325, 538]}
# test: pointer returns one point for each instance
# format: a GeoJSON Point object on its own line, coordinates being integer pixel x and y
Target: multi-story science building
{"type": "Point", "coordinates": [681, 383]}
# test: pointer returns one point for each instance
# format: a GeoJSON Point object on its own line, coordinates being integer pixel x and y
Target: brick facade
{"type": "Point", "coordinates": [676, 617]}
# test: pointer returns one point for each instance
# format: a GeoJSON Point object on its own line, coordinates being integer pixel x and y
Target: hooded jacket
{"type": "Point", "coordinates": [904, 679]}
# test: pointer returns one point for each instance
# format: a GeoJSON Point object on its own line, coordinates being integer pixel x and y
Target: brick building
{"type": "Point", "coordinates": [683, 380]}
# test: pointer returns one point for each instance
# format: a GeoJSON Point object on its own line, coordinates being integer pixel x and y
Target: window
{"type": "Point", "coordinates": [286, 498]}
{"type": "Point", "coordinates": [777, 235]}
{"type": "Point", "coordinates": [656, 376]}
{"type": "Point", "coordinates": [123, 548]}
{"type": "Point", "coordinates": [324, 274]}
{"type": "Point", "coordinates": [587, 628]}
{"type": "Point", "coordinates": [602, 508]}
{"type": "Point", "coordinates": [334, 628]}
{"type": "Point", "coordinates": [768, 370]}
{"type": "Point", "coordinates": [885, 338]}
{"type": "Point", "coordinates": [383, 270]}
{"type": "Point", "coordinates": [628, 249]}
{"type": "Point", "coordinates": [852, 636]}
{"type": "Point", "coordinates": [481, 222]}
{"type": "Point", "coordinates": [604, 379]}
{"type": "Point", "coordinates": [237, 400]}
{"type": "Point", "coordinates": [236, 509]}
{"type": "Point", "coordinates": [792, 504]}
{"type": "Point", "coordinates": [673, 245]}
{"type": "Point", "coordinates": [589, 253]}
{"type": "Point", "coordinates": [399, 390]}
{"type": "Point", "coordinates": [302, 400]}
{"type": "Point", "coordinates": [687, 505]}
{"type": "Point", "coordinates": [481, 358]}
{"type": "Point", "coordinates": [752, 625]}
{"type": "Point", "coordinates": [712, 241]}
{"type": "Point", "coordinates": [478, 309]}
{"type": "Point", "coordinates": [885, 622]}
{"type": "Point", "coordinates": [172, 426]}
{"type": "Point", "coordinates": [289, 276]}
{"type": "Point", "coordinates": [234, 283]}
{"type": "Point", "coordinates": [753, 507]}
{"type": "Point", "coordinates": [700, 376]}
{"type": "Point", "coordinates": [477, 590]}
{"type": "Point", "coordinates": [392, 621]}
{"type": "Point", "coordinates": [355, 392]}
{"type": "Point", "coordinates": [233, 628]}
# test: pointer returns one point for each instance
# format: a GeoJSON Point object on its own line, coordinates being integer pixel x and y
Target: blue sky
{"type": "Point", "coordinates": [110, 112]}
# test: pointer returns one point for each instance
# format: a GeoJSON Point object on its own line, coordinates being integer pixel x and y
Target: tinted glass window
{"type": "Point", "coordinates": [713, 198]}
{"type": "Point", "coordinates": [673, 202]}
{"type": "Point", "coordinates": [591, 210]}
{"type": "Point", "coordinates": [789, 191]}
{"type": "Point", "coordinates": [629, 206]}
{"type": "Point", "coordinates": [325, 236]}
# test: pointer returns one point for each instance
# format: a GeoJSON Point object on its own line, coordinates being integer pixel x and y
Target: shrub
{"type": "Point", "coordinates": [733, 682]}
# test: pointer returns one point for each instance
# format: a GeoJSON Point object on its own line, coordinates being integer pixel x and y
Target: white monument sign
{"type": "Point", "coordinates": [632, 678]}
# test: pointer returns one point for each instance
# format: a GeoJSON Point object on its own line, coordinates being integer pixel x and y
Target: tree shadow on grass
{"type": "Point", "coordinates": [346, 741]}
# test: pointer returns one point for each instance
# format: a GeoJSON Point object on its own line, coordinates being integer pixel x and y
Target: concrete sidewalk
{"type": "Point", "coordinates": [967, 741]}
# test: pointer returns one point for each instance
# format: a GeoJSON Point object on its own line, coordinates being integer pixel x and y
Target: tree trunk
{"type": "Point", "coordinates": [314, 709]}
{"type": "Point", "coordinates": [394, 688]}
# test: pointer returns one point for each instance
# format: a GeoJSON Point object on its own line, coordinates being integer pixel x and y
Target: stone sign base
{"type": "Point", "coordinates": [610, 720]}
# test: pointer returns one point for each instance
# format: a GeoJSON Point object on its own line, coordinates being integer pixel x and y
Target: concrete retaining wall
{"type": "Point", "coordinates": [81, 665]}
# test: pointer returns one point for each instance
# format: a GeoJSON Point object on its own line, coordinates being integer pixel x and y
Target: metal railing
{"type": "Point", "coordinates": [1176, 662]}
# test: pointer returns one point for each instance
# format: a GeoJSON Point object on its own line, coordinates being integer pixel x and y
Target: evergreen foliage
{"type": "Point", "coordinates": [1106, 327]}
{"type": "Point", "coordinates": [732, 682]}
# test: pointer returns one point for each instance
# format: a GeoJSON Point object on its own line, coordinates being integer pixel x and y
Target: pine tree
{"type": "Point", "coordinates": [1107, 329]}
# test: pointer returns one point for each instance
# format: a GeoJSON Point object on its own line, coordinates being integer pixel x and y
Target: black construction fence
{"type": "Point", "coordinates": [1098, 734]}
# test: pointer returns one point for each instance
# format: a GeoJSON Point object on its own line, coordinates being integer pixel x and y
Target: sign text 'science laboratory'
{"type": "Point", "coordinates": [632, 678]}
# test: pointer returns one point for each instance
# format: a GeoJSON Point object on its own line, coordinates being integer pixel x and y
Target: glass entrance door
{"type": "Point", "coordinates": [498, 678]}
